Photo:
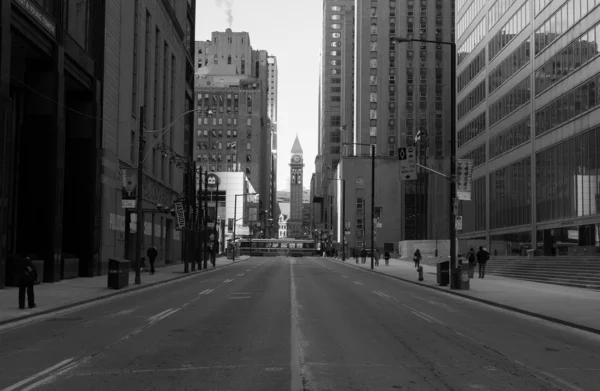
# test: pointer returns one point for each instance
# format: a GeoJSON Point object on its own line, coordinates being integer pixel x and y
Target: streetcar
{"type": "Point", "coordinates": [275, 247]}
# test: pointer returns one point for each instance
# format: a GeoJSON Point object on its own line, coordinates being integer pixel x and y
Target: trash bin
{"type": "Point", "coordinates": [442, 269]}
{"type": "Point", "coordinates": [118, 273]}
{"type": "Point", "coordinates": [461, 277]}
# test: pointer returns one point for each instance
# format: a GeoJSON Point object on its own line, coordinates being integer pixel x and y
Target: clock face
{"type": "Point", "coordinates": [296, 159]}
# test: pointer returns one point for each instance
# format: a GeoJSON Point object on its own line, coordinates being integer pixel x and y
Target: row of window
{"type": "Point", "coordinates": [511, 101]}
{"type": "Point", "coordinates": [217, 133]}
{"type": "Point", "coordinates": [567, 178]}
{"type": "Point", "coordinates": [219, 121]}
{"type": "Point", "coordinates": [219, 158]}
{"type": "Point", "coordinates": [582, 98]}
{"type": "Point", "coordinates": [568, 60]}
{"type": "Point", "coordinates": [218, 145]}
{"type": "Point", "coordinates": [497, 10]}
{"type": "Point", "coordinates": [472, 129]}
{"type": "Point", "coordinates": [509, 66]}
{"type": "Point", "coordinates": [509, 31]}
{"type": "Point", "coordinates": [471, 70]}
{"type": "Point", "coordinates": [472, 100]}
{"type": "Point", "coordinates": [474, 211]}
{"type": "Point", "coordinates": [562, 20]}
{"type": "Point", "coordinates": [477, 155]}
{"type": "Point", "coordinates": [539, 5]}
{"type": "Point", "coordinates": [510, 195]}
{"type": "Point", "coordinates": [511, 138]}
{"type": "Point", "coordinates": [471, 42]}
{"type": "Point", "coordinates": [469, 15]}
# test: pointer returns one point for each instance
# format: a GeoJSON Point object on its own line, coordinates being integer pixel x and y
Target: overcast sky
{"type": "Point", "coordinates": [291, 31]}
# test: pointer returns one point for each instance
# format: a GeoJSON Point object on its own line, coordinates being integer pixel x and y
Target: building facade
{"type": "Point", "coordinates": [528, 116]}
{"type": "Point", "coordinates": [233, 129]}
{"type": "Point", "coordinates": [149, 64]}
{"type": "Point", "coordinates": [335, 96]}
{"type": "Point", "coordinates": [51, 84]}
{"type": "Point", "coordinates": [402, 99]}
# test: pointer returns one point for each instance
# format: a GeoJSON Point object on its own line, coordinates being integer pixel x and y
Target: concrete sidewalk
{"type": "Point", "coordinates": [579, 308]}
{"type": "Point", "coordinates": [51, 297]}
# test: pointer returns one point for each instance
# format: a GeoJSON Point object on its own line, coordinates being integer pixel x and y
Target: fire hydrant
{"type": "Point", "coordinates": [420, 270]}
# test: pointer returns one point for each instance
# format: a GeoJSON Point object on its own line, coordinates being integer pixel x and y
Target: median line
{"type": "Point", "coordinates": [39, 374]}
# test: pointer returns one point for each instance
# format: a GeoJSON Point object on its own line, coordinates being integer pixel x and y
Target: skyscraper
{"type": "Point", "coordinates": [233, 130]}
{"type": "Point", "coordinates": [402, 99]}
{"type": "Point", "coordinates": [528, 116]}
{"type": "Point", "coordinates": [335, 96]}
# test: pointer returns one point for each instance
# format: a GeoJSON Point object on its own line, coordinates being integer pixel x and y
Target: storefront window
{"type": "Point", "coordinates": [513, 244]}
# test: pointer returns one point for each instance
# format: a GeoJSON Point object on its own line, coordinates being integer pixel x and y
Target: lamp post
{"type": "Point", "coordinates": [372, 146]}
{"type": "Point", "coordinates": [451, 224]}
{"type": "Point", "coordinates": [234, 219]}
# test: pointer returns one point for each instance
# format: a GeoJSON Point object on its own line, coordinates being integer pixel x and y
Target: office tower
{"type": "Point", "coordinates": [527, 115]}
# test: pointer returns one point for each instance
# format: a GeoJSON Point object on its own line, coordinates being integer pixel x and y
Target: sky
{"type": "Point", "coordinates": [291, 31]}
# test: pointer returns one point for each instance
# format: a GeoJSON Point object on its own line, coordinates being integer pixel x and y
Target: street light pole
{"type": "Point", "coordinates": [138, 202]}
{"type": "Point", "coordinates": [372, 204]}
{"type": "Point", "coordinates": [451, 222]}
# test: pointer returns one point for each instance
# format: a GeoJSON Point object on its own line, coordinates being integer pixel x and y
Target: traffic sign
{"type": "Point", "coordinates": [408, 170]}
{"type": "Point", "coordinates": [180, 213]}
{"type": "Point", "coordinates": [458, 223]}
{"type": "Point", "coordinates": [402, 153]}
{"type": "Point", "coordinates": [411, 154]}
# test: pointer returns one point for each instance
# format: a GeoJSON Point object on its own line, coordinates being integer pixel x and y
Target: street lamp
{"type": "Point", "coordinates": [234, 218]}
{"type": "Point", "coordinates": [372, 198]}
{"type": "Point", "coordinates": [343, 215]}
{"type": "Point", "coordinates": [451, 225]}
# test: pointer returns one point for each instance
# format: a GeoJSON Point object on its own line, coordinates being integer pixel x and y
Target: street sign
{"type": "Point", "coordinates": [458, 223]}
{"type": "Point", "coordinates": [180, 213]}
{"type": "Point", "coordinates": [408, 170]}
{"type": "Point", "coordinates": [128, 188]}
{"type": "Point", "coordinates": [464, 175]}
{"type": "Point", "coordinates": [402, 153]}
{"type": "Point", "coordinates": [411, 154]}
{"type": "Point", "coordinates": [213, 181]}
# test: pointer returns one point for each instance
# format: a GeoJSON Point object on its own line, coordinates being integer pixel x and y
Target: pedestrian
{"type": "Point", "coordinates": [27, 277]}
{"type": "Point", "coordinates": [472, 259]}
{"type": "Point", "coordinates": [376, 255]}
{"type": "Point", "coordinates": [386, 256]}
{"type": "Point", "coordinates": [363, 255]}
{"type": "Point", "coordinates": [355, 255]}
{"type": "Point", "coordinates": [152, 253]}
{"type": "Point", "coordinates": [417, 258]}
{"type": "Point", "coordinates": [482, 257]}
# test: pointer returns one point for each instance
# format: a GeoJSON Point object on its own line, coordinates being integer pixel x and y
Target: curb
{"type": "Point", "coordinates": [118, 292]}
{"type": "Point", "coordinates": [484, 301]}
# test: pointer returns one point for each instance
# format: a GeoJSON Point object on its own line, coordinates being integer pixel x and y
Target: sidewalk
{"type": "Point", "coordinates": [579, 308]}
{"type": "Point", "coordinates": [51, 297]}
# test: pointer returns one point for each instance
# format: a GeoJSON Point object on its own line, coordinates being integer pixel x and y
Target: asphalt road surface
{"type": "Point", "coordinates": [294, 324]}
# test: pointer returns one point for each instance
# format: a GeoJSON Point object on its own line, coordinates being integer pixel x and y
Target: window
{"type": "Point", "coordinates": [336, 35]}
{"type": "Point", "coordinates": [249, 121]}
{"type": "Point", "coordinates": [336, 26]}
{"type": "Point", "coordinates": [335, 53]}
{"type": "Point", "coordinates": [335, 17]}
{"type": "Point", "coordinates": [248, 146]}
{"type": "Point", "coordinates": [335, 120]}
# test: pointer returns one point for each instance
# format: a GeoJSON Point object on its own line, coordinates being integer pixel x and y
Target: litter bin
{"type": "Point", "coordinates": [118, 273]}
{"type": "Point", "coordinates": [442, 269]}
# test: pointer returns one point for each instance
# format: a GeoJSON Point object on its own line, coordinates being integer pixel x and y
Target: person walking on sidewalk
{"type": "Point", "coordinates": [386, 256]}
{"type": "Point", "coordinates": [363, 255]}
{"type": "Point", "coordinates": [417, 258]}
{"type": "Point", "coordinates": [472, 262]}
{"type": "Point", "coordinates": [482, 257]}
{"type": "Point", "coordinates": [377, 255]}
{"type": "Point", "coordinates": [152, 253]}
{"type": "Point", "coordinates": [355, 255]}
{"type": "Point", "coordinates": [27, 277]}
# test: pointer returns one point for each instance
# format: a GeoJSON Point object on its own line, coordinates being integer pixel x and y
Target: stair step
{"type": "Point", "coordinates": [551, 277]}
{"type": "Point", "coordinates": [563, 283]}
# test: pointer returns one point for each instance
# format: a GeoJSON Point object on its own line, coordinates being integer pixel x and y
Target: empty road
{"type": "Point", "coordinates": [294, 324]}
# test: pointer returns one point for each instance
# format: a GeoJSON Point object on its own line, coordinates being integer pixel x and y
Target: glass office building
{"type": "Point", "coordinates": [528, 85]}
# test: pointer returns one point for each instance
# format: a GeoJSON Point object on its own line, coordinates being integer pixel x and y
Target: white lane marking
{"type": "Point", "coordinates": [228, 281]}
{"type": "Point", "coordinates": [241, 274]}
{"type": "Point", "coordinates": [383, 294]}
{"type": "Point", "coordinates": [206, 291]}
{"type": "Point", "coordinates": [358, 283]}
{"type": "Point", "coordinates": [121, 313]}
{"type": "Point", "coordinates": [299, 372]}
{"type": "Point", "coordinates": [568, 385]}
{"type": "Point", "coordinates": [248, 270]}
{"type": "Point", "coordinates": [422, 317]}
{"type": "Point", "coordinates": [150, 319]}
{"type": "Point", "coordinates": [238, 297]}
{"type": "Point", "coordinates": [39, 374]}
{"type": "Point", "coordinates": [163, 316]}
{"type": "Point", "coordinates": [345, 276]}
{"type": "Point", "coordinates": [49, 379]}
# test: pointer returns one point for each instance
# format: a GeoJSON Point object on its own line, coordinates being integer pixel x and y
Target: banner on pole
{"type": "Point", "coordinates": [464, 175]}
{"type": "Point", "coordinates": [180, 213]}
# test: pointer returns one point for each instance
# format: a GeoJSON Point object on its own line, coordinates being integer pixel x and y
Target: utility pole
{"type": "Point", "coordinates": [372, 204]}
{"type": "Point", "coordinates": [199, 254]}
{"type": "Point", "coordinates": [205, 236]}
{"type": "Point", "coordinates": [192, 182]}
{"type": "Point", "coordinates": [138, 202]}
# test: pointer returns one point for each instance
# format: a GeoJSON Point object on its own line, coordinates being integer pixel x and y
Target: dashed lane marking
{"type": "Point", "coordinates": [345, 276]}
{"type": "Point", "coordinates": [228, 281]}
{"type": "Point", "coordinates": [358, 283]}
{"type": "Point", "coordinates": [39, 374]}
{"type": "Point", "coordinates": [206, 292]}
{"type": "Point", "coordinates": [241, 274]}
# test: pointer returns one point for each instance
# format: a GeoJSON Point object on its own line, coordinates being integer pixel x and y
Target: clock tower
{"type": "Point", "coordinates": [296, 176]}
